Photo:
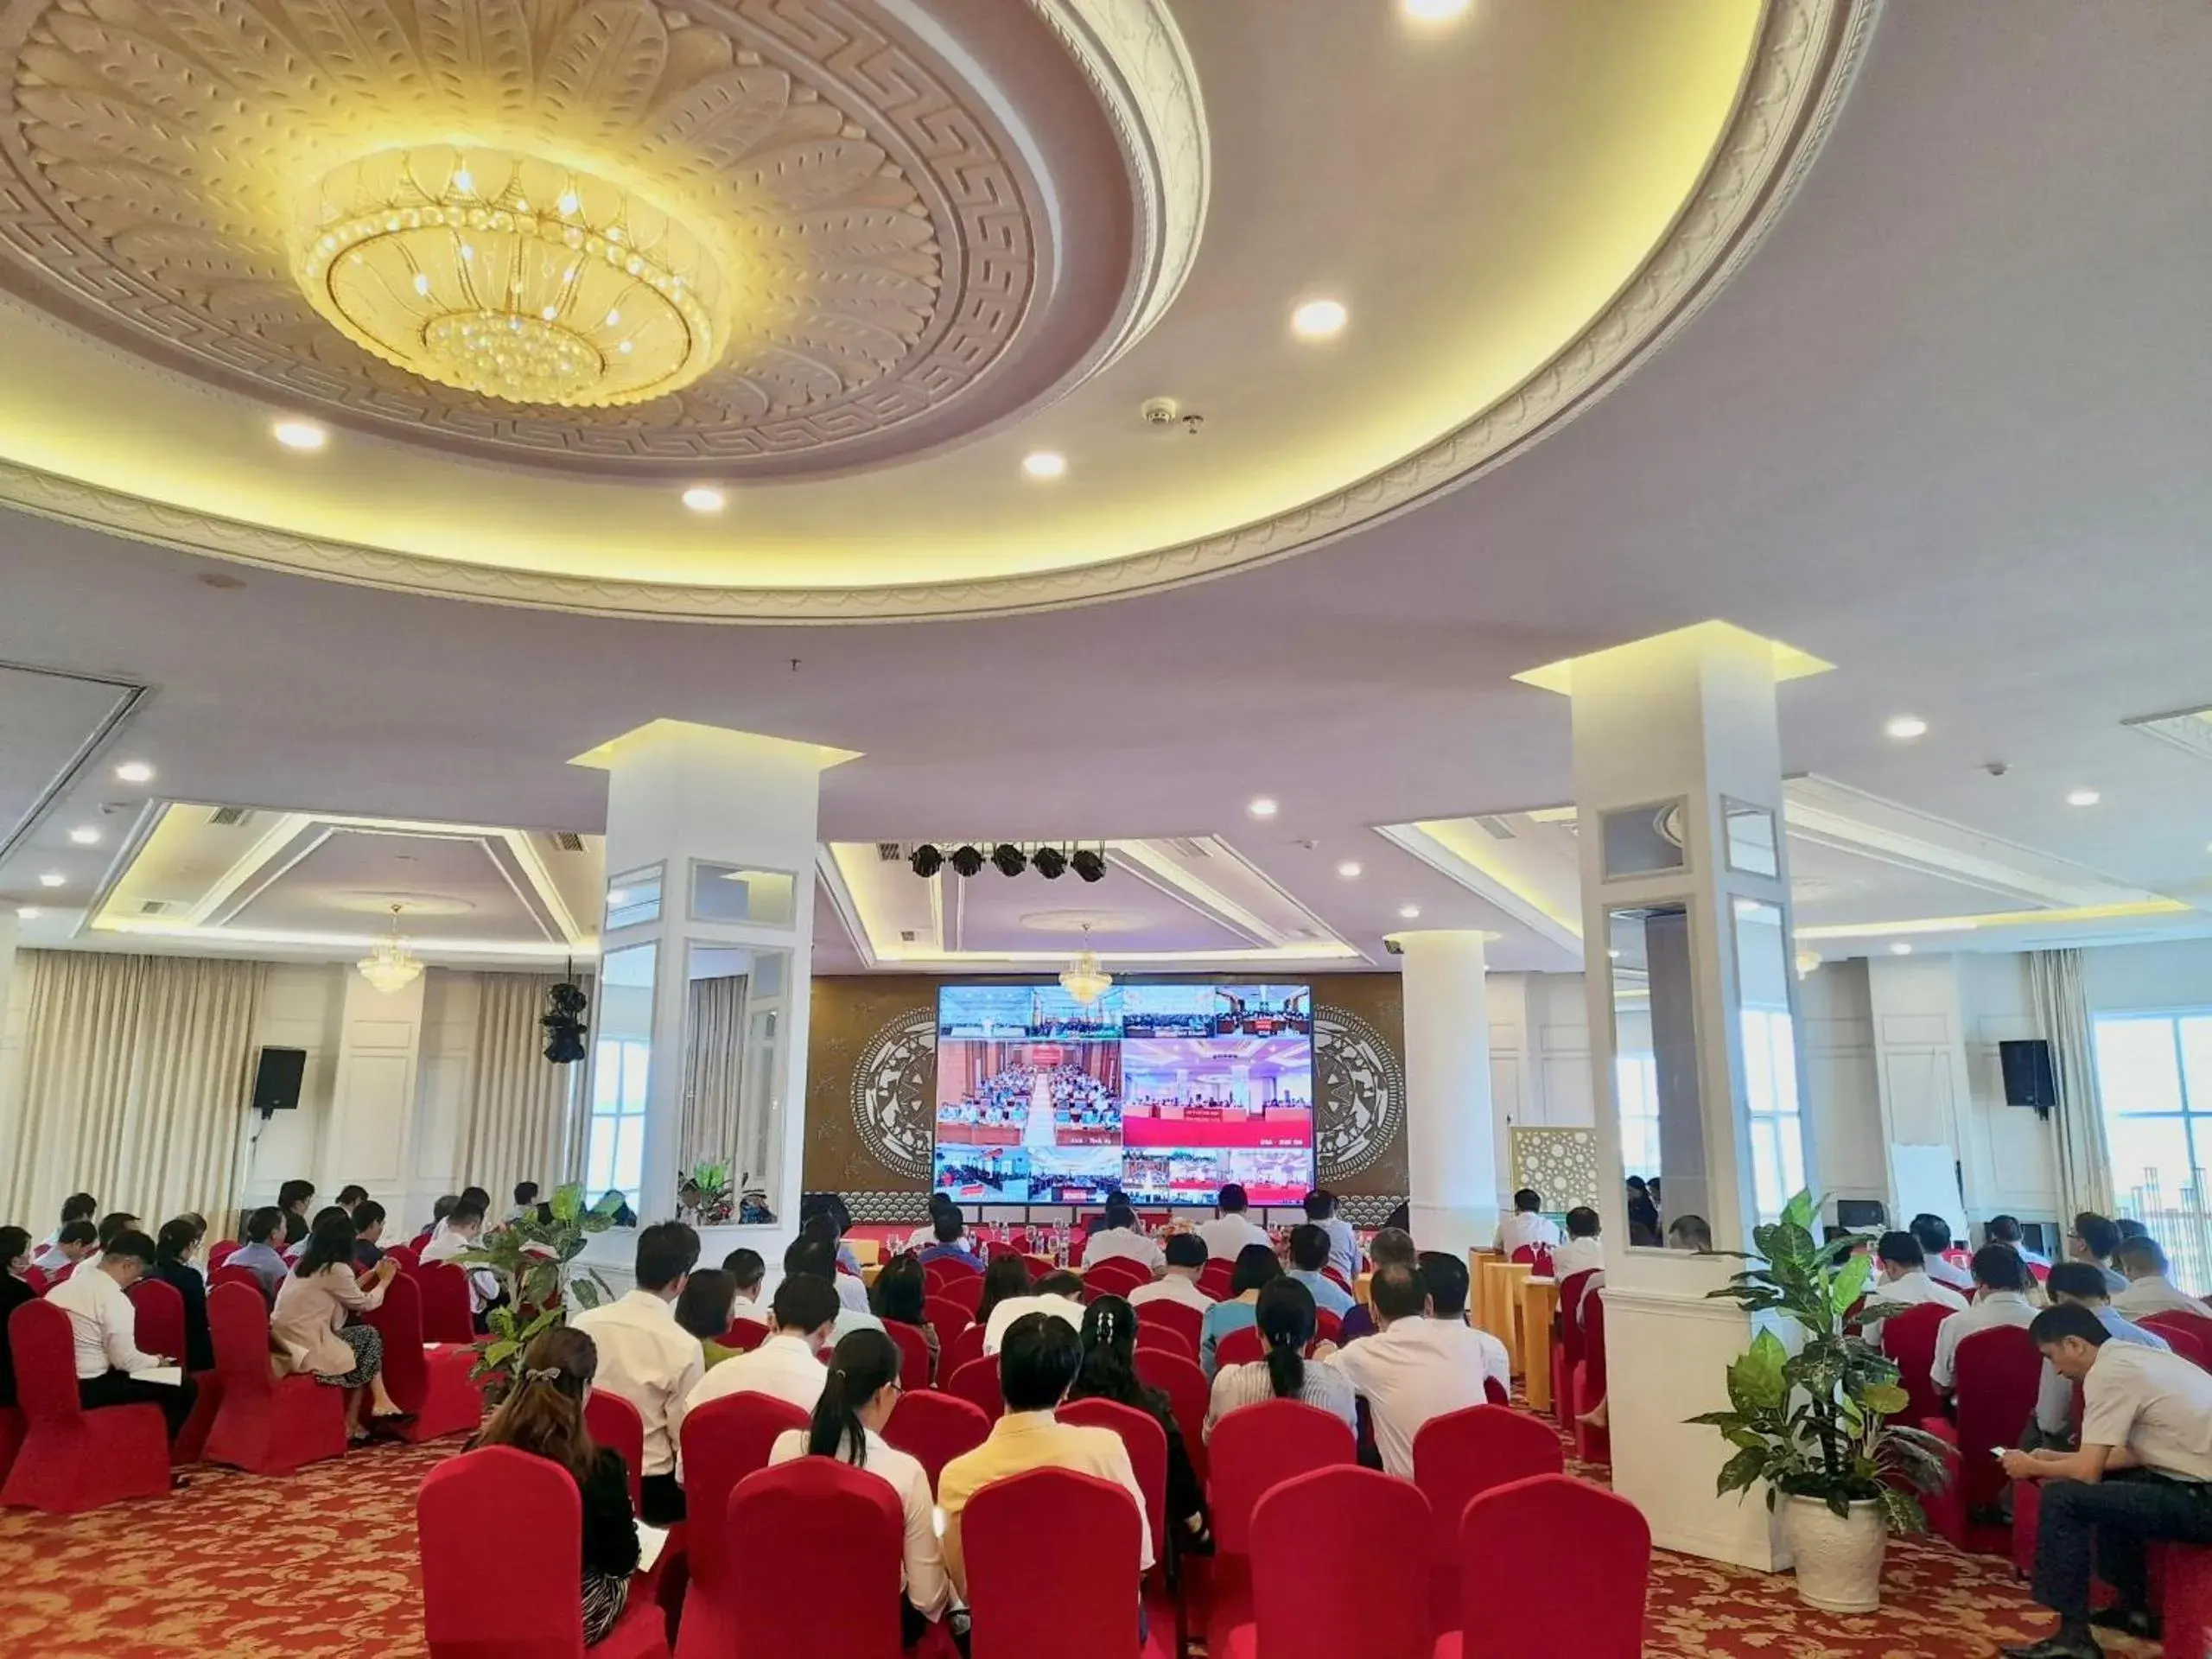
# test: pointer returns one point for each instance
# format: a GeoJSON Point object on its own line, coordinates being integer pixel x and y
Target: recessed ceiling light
{"type": "Point", "coordinates": [1408, 912]}
{"type": "Point", "coordinates": [705, 498]}
{"type": "Point", "coordinates": [1318, 319]}
{"type": "Point", "coordinates": [1432, 11]}
{"type": "Point", "coordinates": [300, 435]}
{"type": "Point", "coordinates": [1905, 727]}
{"type": "Point", "coordinates": [2082, 797]}
{"type": "Point", "coordinates": [53, 879]}
{"type": "Point", "coordinates": [84, 835]}
{"type": "Point", "coordinates": [28, 912]}
{"type": "Point", "coordinates": [1900, 949]}
{"type": "Point", "coordinates": [1349, 869]}
{"type": "Point", "coordinates": [1262, 806]}
{"type": "Point", "coordinates": [135, 772]}
{"type": "Point", "coordinates": [1044, 463]}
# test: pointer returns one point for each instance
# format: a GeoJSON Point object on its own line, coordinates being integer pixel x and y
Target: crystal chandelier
{"type": "Point", "coordinates": [391, 966]}
{"type": "Point", "coordinates": [505, 275]}
{"type": "Point", "coordinates": [1083, 979]}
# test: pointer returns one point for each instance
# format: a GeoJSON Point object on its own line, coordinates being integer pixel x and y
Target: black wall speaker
{"type": "Point", "coordinates": [277, 1079]}
{"type": "Point", "coordinates": [2029, 1078]}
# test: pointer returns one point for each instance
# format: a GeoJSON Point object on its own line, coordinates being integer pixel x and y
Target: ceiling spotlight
{"type": "Point", "coordinates": [1905, 727]}
{"type": "Point", "coordinates": [1408, 912]}
{"type": "Point", "coordinates": [27, 912]}
{"type": "Point", "coordinates": [53, 879]}
{"type": "Point", "coordinates": [705, 498]}
{"type": "Point", "coordinates": [967, 861]}
{"type": "Point", "coordinates": [1432, 11]}
{"type": "Point", "coordinates": [1263, 807]}
{"type": "Point", "coordinates": [302, 436]}
{"type": "Point", "coordinates": [1089, 864]}
{"type": "Point", "coordinates": [1349, 869]}
{"type": "Point", "coordinates": [1050, 862]}
{"type": "Point", "coordinates": [1008, 859]}
{"type": "Point", "coordinates": [926, 861]}
{"type": "Point", "coordinates": [84, 835]}
{"type": "Point", "coordinates": [1901, 949]}
{"type": "Point", "coordinates": [135, 772]}
{"type": "Point", "coordinates": [1319, 318]}
{"type": "Point", "coordinates": [1044, 463]}
{"type": "Point", "coordinates": [2082, 797]}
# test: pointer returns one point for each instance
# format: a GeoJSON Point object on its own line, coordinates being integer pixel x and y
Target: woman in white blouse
{"type": "Point", "coordinates": [309, 1320]}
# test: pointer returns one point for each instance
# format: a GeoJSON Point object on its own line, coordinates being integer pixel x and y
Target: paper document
{"type": "Point", "coordinates": [650, 1541]}
{"type": "Point", "coordinates": [172, 1374]}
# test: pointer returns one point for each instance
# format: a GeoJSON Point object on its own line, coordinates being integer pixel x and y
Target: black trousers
{"type": "Point", "coordinates": [660, 1500]}
{"type": "Point", "coordinates": [121, 1388]}
{"type": "Point", "coordinates": [2118, 1516]}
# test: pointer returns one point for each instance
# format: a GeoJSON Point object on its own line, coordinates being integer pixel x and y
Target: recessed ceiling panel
{"type": "Point", "coordinates": [49, 723]}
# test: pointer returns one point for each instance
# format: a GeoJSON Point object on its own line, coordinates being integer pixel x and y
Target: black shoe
{"type": "Point", "coordinates": [2129, 1621]}
{"type": "Point", "coordinates": [2056, 1647]}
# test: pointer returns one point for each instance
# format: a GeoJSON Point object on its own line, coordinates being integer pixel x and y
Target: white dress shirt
{"type": "Point", "coordinates": [1911, 1289]}
{"type": "Point", "coordinates": [1949, 1274]}
{"type": "Point", "coordinates": [103, 1325]}
{"type": "Point", "coordinates": [2055, 1395]}
{"type": "Point", "coordinates": [743, 1308]}
{"type": "Point", "coordinates": [1525, 1228]}
{"type": "Point", "coordinates": [1343, 1246]}
{"type": "Point", "coordinates": [852, 1292]}
{"type": "Point", "coordinates": [50, 1259]}
{"type": "Point", "coordinates": [2142, 1298]}
{"type": "Point", "coordinates": [483, 1283]}
{"type": "Point", "coordinates": [1992, 1309]}
{"type": "Point", "coordinates": [650, 1360]}
{"type": "Point", "coordinates": [1417, 1369]}
{"type": "Point", "coordinates": [2157, 1405]}
{"type": "Point", "coordinates": [1127, 1243]}
{"type": "Point", "coordinates": [1014, 1307]}
{"type": "Point", "coordinates": [1226, 1235]}
{"type": "Point", "coordinates": [927, 1585]}
{"type": "Point", "coordinates": [1172, 1286]}
{"type": "Point", "coordinates": [1578, 1256]}
{"type": "Point", "coordinates": [783, 1366]}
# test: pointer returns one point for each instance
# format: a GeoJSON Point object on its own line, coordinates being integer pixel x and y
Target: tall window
{"type": "Point", "coordinates": [1777, 1129]}
{"type": "Point", "coordinates": [615, 1155]}
{"type": "Point", "coordinates": [2154, 1073]}
{"type": "Point", "coordinates": [1636, 1080]}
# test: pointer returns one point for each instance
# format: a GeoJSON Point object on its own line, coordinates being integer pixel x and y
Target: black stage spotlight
{"type": "Point", "coordinates": [927, 861]}
{"type": "Point", "coordinates": [967, 860]}
{"type": "Point", "coordinates": [1090, 865]}
{"type": "Point", "coordinates": [1051, 862]}
{"type": "Point", "coordinates": [1008, 859]}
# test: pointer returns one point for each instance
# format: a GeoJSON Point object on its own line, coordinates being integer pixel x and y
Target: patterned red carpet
{"type": "Point", "coordinates": [323, 1564]}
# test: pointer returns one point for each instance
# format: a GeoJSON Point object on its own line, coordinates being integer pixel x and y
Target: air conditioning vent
{"type": "Point", "coordinates": [153, 906]}
{"type": "Point", "coordinates": [567, 841]}
{"type": "Point", "coordinates": [1498, 828]}
{"type": "Point", "coordinates": [907, 936]}
{"type": "Point", "coordinates": [890, 852]}
{"type": "Point", "coordinates": [1186, 848]}
{"type": "Point", "coordinates": [229, 815]}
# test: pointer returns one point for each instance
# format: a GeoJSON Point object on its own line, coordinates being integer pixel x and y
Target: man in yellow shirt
{"type": "Point", "coordinates": [1037, 1363]}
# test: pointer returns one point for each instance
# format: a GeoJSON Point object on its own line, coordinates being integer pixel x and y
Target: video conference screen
{"type": "Point", "coordinates": [1166, 1092]}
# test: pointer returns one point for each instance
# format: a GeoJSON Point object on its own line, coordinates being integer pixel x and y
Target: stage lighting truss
{"type": "Point", "coordinates": [1049, 858]}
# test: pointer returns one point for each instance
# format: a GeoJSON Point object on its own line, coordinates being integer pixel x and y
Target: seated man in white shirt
{"type": "Point", "coordinates": [749, 1273]}
{"type": "Point", "coordinates": [1185, 1254]}
{"type": "Point", "coordinates": [2149, 1290]}
{"type": "Point", "coordinates": [1059, 1294]}
{"type": "Point", "coordinates": [464, 1227]}
{"type": "Point", "coordinates": [817, 1258]}
{"type": "Point", "coordinates": [1426, 1361]}
{"type": "Point", "coordinates": [1526, 1225]}
{"type": "Point", "coordinates": [1934, 1236]}
{"type": "Point", "coordinates": [789, 1364]}
{"type": "Point", "coordinates": [2000, 1280]}
{"type": "Point", "coordinates": [925, 1235]}
{"type": "Point", "coordinates": [1232, 1230]}
{"type": "Point", "coordinates": [104, 1328]}
{"type": "Point", "coordinates": [2143, 1476]}
{"type": "Point", "coordinates": [1582, 1253]}
{"type": "Point", "coordinates": [1902, 1278]}
{"type": "Point", "coordinates": [1121, 1237]}
{"type": "Point", "coordinates": [2006, 1231]}
{"type": "Point", "coordinates": [1344, 1244]}
{"type": "Point", "coordinates": [2082, 1285]}
{"type": "Point", "coordinates": [75, 1241]}
{"type": "Point", "coordinates": [650, 1360]}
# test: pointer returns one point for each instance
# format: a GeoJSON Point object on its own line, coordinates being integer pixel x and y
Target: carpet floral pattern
{"type": "Point", "coordinates": [321, 1566]}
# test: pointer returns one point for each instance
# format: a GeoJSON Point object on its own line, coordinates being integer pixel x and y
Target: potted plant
{"type": "Point", "coordinates": [531, 1258]}
{"type": "Point", "coordinates": [1814, 1424]}
{"type": "Point", "coordinates": [704, 1197]}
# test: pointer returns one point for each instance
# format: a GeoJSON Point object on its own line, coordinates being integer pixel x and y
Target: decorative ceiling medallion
{"type": "Point", "coordinates": [889, 254]}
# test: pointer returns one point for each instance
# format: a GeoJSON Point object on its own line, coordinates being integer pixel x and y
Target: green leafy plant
{"type": "Point", "coordinates": [1817, 1423]}
{"type": "Point", "coordinates": [531, 1257]}
{"type": "Point", "coordinates": [706, 1195]}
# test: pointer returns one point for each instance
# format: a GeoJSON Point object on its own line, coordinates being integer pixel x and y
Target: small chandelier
{"type": "Point", "coordinates": [391, 967]}
{"type": "Point", "coordinates": [1084, 979]}
{"type": "Point", "coordinates": [1807, 961]}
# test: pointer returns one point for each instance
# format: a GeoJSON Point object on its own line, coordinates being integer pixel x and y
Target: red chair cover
{"type": "Point", "coordinates": [1181, 1317]}
{"type": "Point", "coordinates": [1592, 1445]}
{"type": "Point", "coordinates": [977, 1382]}
{"type": "Point", "coordinates": [1116, 1276]}
{"type": "Point", "coordinates": [1459, 1455]}
{"type": "Point", "coordinates": [2186, 1334]}
{"type": "Point", "coordinates": [512, 1592]}
{"type": "Point", "coordinates": [1086, 1607]}
{"type": "Point", "coordinates": [444, 1290]}
{"type": "Point", "coordinates": [950, 1318]}
{"type": "Point", "coordinates": [955, 1347]}
{"type": "Point", "coordinates": [1240, 1347]}
{"type": "Point", "coordinates": [37, 1279]}
{"type": "Point", "coordinates": [407, 1255]}
{"type": "Point", "coordinates": [1321, 1588]}
{"type": "Point", "coordinates": [267, 1424]}
{"type": "Point", "coordinates": [1146, 1442]}
{"type": "Point", "coordinates": [2038, 1271]}
{"type": "Point", "coordinates": [1496, 1392]}
{"type": "Point", "coordinates": [963, 1290]}
{"type": "Point", "coordinates": [954, 1269]}
{"type": "Point", "coordinates": [221, 1251]}
{"type": "Point", "coordinates": [1214, 1277]}
{"type": "Point", "coordinates": [159, 1315]}
{"type": "Point", "coordinates": [1040, 1266]}
{"type": "Point", "coordinates": [1536, 1256]}
{"type": "Point", "coordinates": [1172, 1342]}
{"type": "Point", "coordinates": [1342, 1283]}
{"type": "Point", "coordinates": [431, 1383]}
{"type": "Point", "coordinates": [1188, 1394]}
{"type": "Point", "coordinates": [745, 1335]}
{"type": "Point", "coordinates": [613, 1422]}
{"type": "Point", "coordinates": [723, 1442]}
{"type": "Point", "coordinates": [71, 1459]}
{"type": "Point", "coordinates": [1909, 1338]}
{"type": "Point", "coordinates": [934, 1428]}
{"type": "Point", "coordinates": [1253, 1448]}
{"type": "Point", "coordinates": [2187, 1597]}
{"type": "Point", "coordinates": [1327, 1326]}
{"type": "Point", "coordinates": [834, 1536]}
{"type": "Point", "coordinates": [1551, 1565]}
{"type": "Point", "coordinates": [913, 1355]}
{"type": "Point", "coordinates": [1998, 1373]}
{"type": "Point", "coordinates": [218, 1277]}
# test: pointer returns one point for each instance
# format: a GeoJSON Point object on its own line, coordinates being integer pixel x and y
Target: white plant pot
{"type": "Point", "coordinates": [1838, 1561]}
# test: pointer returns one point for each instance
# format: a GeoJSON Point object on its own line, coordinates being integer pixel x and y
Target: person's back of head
{"type": "Point", "coordinates": [948, 1224]}
{"type": "Point", "coordinates": [294, 1194]}
{"type": "Point", "coordinates": [1286, 1319]}
{"type": "Point", "coordinates": [129, 1246]}
{"type": "Point", "coordinates": [1528, 1201]}
{"type": "Point", "coordinates": [525, 1194]}
{"type": "Point", "coordinates": [14, 1241]}
{"type": "Point", "coordinates": [1933, 1232]}
{"type": "Point", "coordinates": [804, 1303]}
{"type": "Point", "coordinates": [1256, 1266]}
{"type": "Point", "coordinates": [811, 1257]}
{"type": "Point", "coordinates": [862, 1364]}
{"type": "Point", "coordinates": [1898, 1250]}
{"type": "Point", "coordinates": [544, 1412]}
{"type": "Point", "coordinates": [84, 1235]}
{"type": "Point", "coordinates": [900, 1289]}
{"type": "Point", "coordinates": [1063, 1283]}
{"type": "Point", "coordinates": [114, 1223]}
{"type": "Point", "coordinates": [2078, 1281]}
{"type": "Point", "coordinates": [79, 1206]}
{"type": "Point", "coordinates": [174, 1242]}
{"type": "Point", "coordinates": [1309, 1247]}
{"type": "Point", "coordinates": [1109, 1339]}
{"type": "Point", "coordinates": [2098, 1235]}
{"type": "Point", "coordinates": [368, 1217]}
{"type": "Point", "coordinates": [466, 1214]}
{"type": "Point", "coordinates": [1582, 1222]}
{"type": "Point", "coordinates": [1444, 1275]}
{"type": "Point", "coordinates": [2069, 1335]}
{"type": "Point", "coordinates": [1396, 1292]}
{"type": "Point", "coordinates": [667, 1252]}
{"type": "Point", "coordinates": [1120, 1216]}
{"type": "Point", "coordinates": [2003, 1229]}
{"type": "Point", "coordinates": [330, 1244]}
{"type": "Point", "coordinates": [703, 1308]}
{"type": "Point", "coordinates": [2142, 1258]}
{"type": "Point", "coordinates": [263, 1225]}
{"type": "Point", "coordinates": [349, 1195]}
{"type": "Point", "coordinates": [1038, 1360]}
{"type": "Point", "coordinates": [1636, 1186]}
{"type": "Point", "coordinates": [443, 1207]}
{"type": "Point", "coordinates": [1233, 1199]}
{"type": "Point", "coordinates": [2127, 1227]}
{"type": "Point", "coordinates": [1186, 1251]}
{"type": "Point", "coordinates": [1689, 1233]}
{"type": "Point", "coordinates": [1320, 1205]}
{"type": "Point", "coordinates": [1392, 1244]}
{"type": "Point", "coordinates": [1999, 1267]}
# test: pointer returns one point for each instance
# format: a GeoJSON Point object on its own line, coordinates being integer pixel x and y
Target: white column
{"type": "Point", "coordinates": [1451, 1131]}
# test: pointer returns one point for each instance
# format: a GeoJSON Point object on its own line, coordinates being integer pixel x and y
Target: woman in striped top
{"type": "Point", "coordinates": [1285, 1317]}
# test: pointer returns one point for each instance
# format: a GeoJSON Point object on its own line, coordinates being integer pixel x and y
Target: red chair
{"type": "Point", "coordinates": [934, 1428]}
{"type": "Point", "coordinates": [955, 1348]}
{"type": "Point", "coordinates": [1214, 1277]}
{"type": "Point", "coordinates": [37, 1279]}
{"type": "Point", "coordinates": [744, 1335]}
{"type": "Point", "coordinates": [1253, 1448]}
{"type": "Point", "coordinates": [1537, 1255]}
{"type": "Point", "coordinates": [1462, 1454]}
{"type": "Point", "coordinates": [1590, 1445]}
{"type": "Point", "coordinates": [1040, 1266]}
{"type": "Point", "coordinates": [796, 1518]}
{"type": "Point", "coordinates": [158, 1312]}
{"type": "Point", "coordinates": [950, 1318]}
{"type": "Point", "coordinates": [1321, 1589]}
{"type": "Point", "coordinates": [1526, 1589]}
{"type": "Point", "coordinates": [977, 1382]}
{"type": "Point", "coordinates": [446, 1315]}
{"type": "Point", "coordinates": [913, 1355]}
{"type": "Point", "coordinates": [1146, 1442]}
{"type": "Point", "coordinates": [1086, 1606]}
{"type": "Point", "coordinates": [72, 1459]}
{"type": "Point", "coordinates": [266, 1424]}
{"type": "Point", "coordinates": [432, 1384]}
{"type": "Point", "coordinates": [1240, 1347]}
{"type": "Point", "coordinates": [1327, 1326]}
{"type": "Point", "coordinates": [2186, 1334]}
{"type": "Point", "coordinates": [407, 1256]}
{"type": "Point", "coordinates": [2186, 1596]}
{"type": "Point", "coordinates": [220, 1276]}
{"type": "Point", "coordinates": [1116, 1276]}
{"type": "Point", "coordinates": [1998, 1373]}
{"type": "Point", "coordinates": [513, 1592]}
{"type": "Point", "coordinates": [954, 1269]}
{"type": "Point", "coordinates": [613, 1422]}
{"type": "Point", "coordinates": [963, 1290]}
{"type": "Point", "coordinates": [1568, 1344]}
{"type": "Point", "coordinates": [1909, 1338]}
{"type": "Point", "coordinates": [1172, 1342]}
{"type": "Point", "coordinates": [723, 1442]}
{"type": "Point", "coordinates": [221, 1251]}
{"type": "Point", "coordinates": [1185, 1321]}
{"type": "Point", "coordinates": [1189, 1394]}
{"type": "Point", "coordinates": [1336, 1275]}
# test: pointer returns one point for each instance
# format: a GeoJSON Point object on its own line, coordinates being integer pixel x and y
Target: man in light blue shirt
{"type": "Point", "coordinates": [2082, 1283]}
{"type": "Point", "coordinates": [1344, 1247]}
{"type": "Point", "coordinates": [1309, 1254]}
{"type": "Point", "coordinates": [259, 1255]}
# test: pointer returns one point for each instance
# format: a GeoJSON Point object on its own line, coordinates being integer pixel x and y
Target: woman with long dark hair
{"type": "Point", "coordinates": [1109, 1372]}
{"type": "Point", "coordinates": [1284, 1314]}
{"type": "Point", "coordinates": [310, 1320]}
{"type": "Point", "coordinates": [1007, 1276]}
{"type": "Point", "coordinates": [898, 1295]}
{"type": "Point", "coordinates": [1255, 1267]}
{"type": "Point", "coordinates": [174, 1249]}
{"type": "Point", "coordinates": [703, 1309]}
{"type": "Point", "coordinates": [858, 1397]}
{"type": "Point", "coordinates": [543, 1415]}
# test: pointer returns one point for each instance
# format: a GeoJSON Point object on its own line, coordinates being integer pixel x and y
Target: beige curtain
{"type": "Point", "coordinates": [518, 1122]}
{"type": "Point", "coordinates": [135, 1075]}
{"type": "Point", "coordinates": [2060, 994]}
{"type": "Point", "coordinates": [714, 1066]}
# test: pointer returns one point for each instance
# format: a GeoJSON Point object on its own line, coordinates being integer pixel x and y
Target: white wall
{"type": "Point", "coordinates": [2133, 977]}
